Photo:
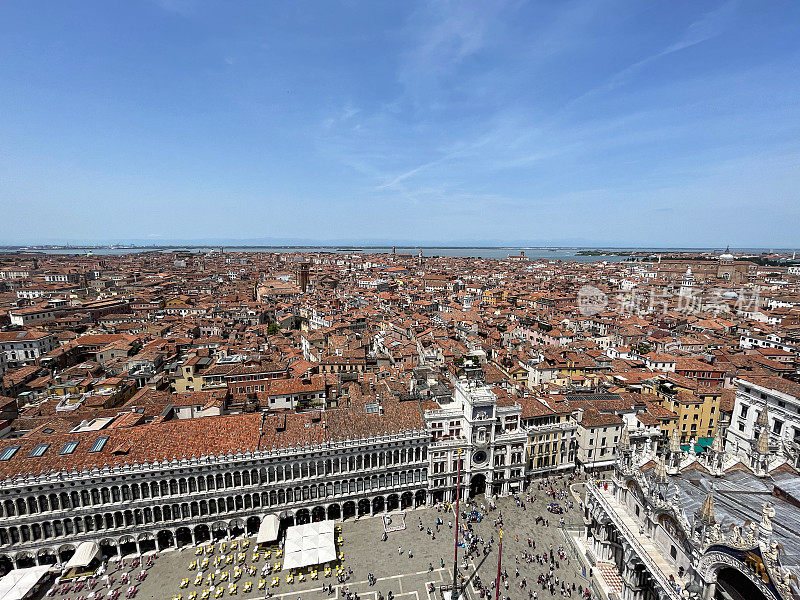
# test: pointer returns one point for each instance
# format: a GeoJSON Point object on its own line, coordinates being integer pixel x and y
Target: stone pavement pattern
{"type": "Point", "coordinates": [406, 577]}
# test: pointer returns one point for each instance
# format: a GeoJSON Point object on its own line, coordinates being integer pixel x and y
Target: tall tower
{"type": "Point", "coordinates": [687, 284]}
{"type": "Point", "coordinates": [303, 278]}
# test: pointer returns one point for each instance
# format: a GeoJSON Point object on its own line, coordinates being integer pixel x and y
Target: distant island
{"type": "Point", "coordinates": [605, 253]}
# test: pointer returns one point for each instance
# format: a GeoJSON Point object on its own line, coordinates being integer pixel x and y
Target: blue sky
{"type": "Point", "coordinates": [608, 122]}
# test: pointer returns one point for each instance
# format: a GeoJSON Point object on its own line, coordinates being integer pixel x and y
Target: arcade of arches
{"type": "Point", "coordinates": [187, 508]}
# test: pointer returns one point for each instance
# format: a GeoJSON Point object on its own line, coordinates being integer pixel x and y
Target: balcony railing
{"type": "Point", "coordinates": [632, 538]}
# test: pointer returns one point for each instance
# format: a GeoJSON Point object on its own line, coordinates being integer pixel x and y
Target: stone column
{"type": "Point", "coordinates": [708, 590]}
{"type": "Point", "coordinates": [605, 547]}
{"type": "Point", "coordinates": [631, 589]}
{"type": "Point", "coordinates": [598, 547]}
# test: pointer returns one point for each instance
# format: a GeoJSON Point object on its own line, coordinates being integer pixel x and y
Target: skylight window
{"type": "Point", "coordinates": [99, 443]}
{"type": "Point", "coordinates": [39, 450]}
{"type": "Point", "coordinates": [8, 452]}
{"type": "Point", "coordinates": [69, 448]}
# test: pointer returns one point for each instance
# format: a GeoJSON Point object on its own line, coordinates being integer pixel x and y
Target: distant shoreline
{"type": "Point", "coordinates": [581, 250]}
{"type": "Point", "coordinates": [340, 252]}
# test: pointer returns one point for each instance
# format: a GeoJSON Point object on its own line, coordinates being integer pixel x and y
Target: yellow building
{"type": "Point", "coordinates": [697, 408]}
{"type": "Point", "coordinates": [494, 296]}
{"type": "Point", "coordinates": [70, 387]}
{"type": "Point", "coordinates": [197, 374]}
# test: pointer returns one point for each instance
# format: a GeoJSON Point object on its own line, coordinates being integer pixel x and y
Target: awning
{"type": "Point", "coordinates": [84, 555]}
{"type": "Point", "coordinates": [19, 582]}
{"type": "Point", "coordinates": [309, 544]}
{"type": "Point", "coordinates": [326, 554]}
{"type": "Point", "coordinates": [268, 531]}
{"type": "Point", "coordinates": [701, 445]}
{"type": "Point", "coordinates": [292, 545]}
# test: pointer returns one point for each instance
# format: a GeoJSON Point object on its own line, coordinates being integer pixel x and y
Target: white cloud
{"type": "Point", "coordinates": [709, 26]}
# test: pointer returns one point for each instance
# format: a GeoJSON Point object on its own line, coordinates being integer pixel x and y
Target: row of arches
{"type": "Point", "coordinates": [345, 464]}
{"type": "Point", "coordinates": [127, 493]}
{"type": "Point", "coordinates": [202, 508]}
{"type": "Point", "coordinates": [358, 508]}
{"type": "Point", "coordinates": [182, 486]}
{"type": "Point", "coordinates": [125, 519]}
{"type": "Point", "coordinates": [346, 487]}
{"type": "Point", "coordinates": [181, 534]}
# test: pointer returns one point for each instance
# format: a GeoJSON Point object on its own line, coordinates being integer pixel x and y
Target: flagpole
{"type": "Point", "coordinates": [499, 559]}
{"type": "Point", "coordinates": [455, 551]}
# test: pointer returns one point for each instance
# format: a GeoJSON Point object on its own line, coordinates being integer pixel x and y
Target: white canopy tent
{"type": "Point", "coordinates": [292, 545]}
{"type": "Point", "coordinates": [19, 583]}
{"type": "Point", "coordinates": [309, 544]}
{"type": "Point", "coordinates": [83, 556]}
{"type": "Point", "coordinates": [268, 531]}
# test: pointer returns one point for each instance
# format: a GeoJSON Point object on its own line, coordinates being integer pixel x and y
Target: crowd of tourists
{"type": "Point", "coordinates": [548, 572]}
